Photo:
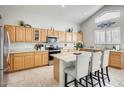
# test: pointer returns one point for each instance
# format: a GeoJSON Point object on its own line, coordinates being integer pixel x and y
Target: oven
{"type": "Point", "coordinates": [53, 52]}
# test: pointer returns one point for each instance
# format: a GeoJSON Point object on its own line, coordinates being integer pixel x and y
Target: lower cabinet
{"type": "Point", "coordinates": [21, 61]}
{"type": "Point", "coordinates": [29, 60]}
{"type": "Point", "coordinates": [116, 59]}
{"type": "Point", "coordinates": [41, 58]}
{"type": "Point", "coordinates": [18, 62]}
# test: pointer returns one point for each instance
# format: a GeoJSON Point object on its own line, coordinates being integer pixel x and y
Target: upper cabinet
{"type": "Point", "coordinates": [50, 32]}
{"type": "Point", "coordinates": [56, 33]}
{"type": "Point", "coordinates": [29, 35]}
{"type": "Point", "coordinates": [26, 34]}
{"type": "Point", "coordinates": [74, 36]}
{"type": "Point", "coordinates": [11, 30]}
{"type": "Point", "coordinates": [62, 36]}
{"type": "Point", "coordinates": [43, 35]}
{"type": "Point", "coordinates": [68, 36]}
{"type": "Point", "coordinates": [79, 37]}
{"type": "Point", "coordinates": [36, 35]}
{"type": "Point", "coordinates": [20, 34]}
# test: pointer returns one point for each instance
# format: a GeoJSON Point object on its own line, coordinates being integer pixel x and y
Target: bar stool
{"type": "Point", "coordinates": [79, 70]}
{"type": "Point", "coordinates": [104, 65]}
{"type": "Point", "coordinates": [95, 67]}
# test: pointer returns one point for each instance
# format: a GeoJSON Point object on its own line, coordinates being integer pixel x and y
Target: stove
{"type": "Point", "coordinates": [53, 50]}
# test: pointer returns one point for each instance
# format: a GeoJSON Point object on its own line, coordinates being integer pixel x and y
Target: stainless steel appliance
{"type": "Point", "coordinates": [4, 56]}
{"type": "Point", "coordinates": [52, 50]}
{"type": "Point", "coordinates": [52, 39]}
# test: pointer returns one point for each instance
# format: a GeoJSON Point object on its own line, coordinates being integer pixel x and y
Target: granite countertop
{"type": "Point", "coordinates": [67, 56]}
{"type": "Point", "coordinates": [23, 51]}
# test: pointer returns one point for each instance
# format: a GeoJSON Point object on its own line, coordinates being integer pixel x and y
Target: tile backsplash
{"type": "Point", "coordinates": [30, 46]}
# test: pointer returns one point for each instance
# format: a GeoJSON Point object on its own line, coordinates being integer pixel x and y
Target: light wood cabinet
{"type": "Point", "coordinates": [25, 34]}
{"type": "Point", "coordinates": [56, 69]}
{"type": "Point", "coordinates": [62, 36]}
{"type": "Point", "coordinates": [38, 59]}
{"type": "Point", "coordinates": [45, 58]}
{"type": "Point", "coordinates": [28, 60]}
{"type": "Point", "coordinates": [68, 36]}
{"type": "Point", "coordinates": [18, 62]}
{"type": "Point", "coordinates": [41, 58]}
{"type": "Point", "coordinates": [20, 34]}
{"type": "Point", "coordinates": [43, 35]}
{"type": "Point", "coordinates": [29, 35]}
{"type": "Point", "coordinates": [36, 35]}
{"type": "Point", "coordinates": [21, 61]}
{"type": "Point", "coordinates": [11, 30]}
{"type": "Point", "coordinates": [79, 37]}
{"type": "Point", "coordinates": [56, 33]}
{"type": "Point", "coordinates": [116, 59]}
{"type": "Point", "coordinates": [50, 32]}
{"type": "Point", "coordinates": [74, 36]}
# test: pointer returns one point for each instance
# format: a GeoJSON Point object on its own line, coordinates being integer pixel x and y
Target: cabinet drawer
{"type": "Point", "coordinates": [116, 64]}
{"type": "Point", "coordinates": [116, 59]}
{"type": "Point", "coordinates": [115, 53]}
{"type": "Point", "coordinates": [19, 54]}
{"type": "Point", "coordinates": [28, 54]}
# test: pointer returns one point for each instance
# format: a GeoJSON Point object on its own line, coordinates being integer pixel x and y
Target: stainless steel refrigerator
{"type": "Point", "coordinates": [4, 56]}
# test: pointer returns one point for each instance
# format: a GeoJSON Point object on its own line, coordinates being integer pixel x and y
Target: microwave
{"type": "Point", "coordinates": [52, 39]}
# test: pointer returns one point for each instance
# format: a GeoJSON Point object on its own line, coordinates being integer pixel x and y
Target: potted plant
{"type": "Point", "coordinates": [78, 46]}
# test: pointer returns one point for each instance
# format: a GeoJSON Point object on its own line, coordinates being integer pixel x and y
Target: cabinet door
{"type": "Point", "coordinates": [37, 35]}
{"type": "Point", "coordinates": [38, 59]}
{"type": "Point", "coordinates": [45, 58]}
{"type": "Point", "coordinates": [29, 35]}
{"type": "Point", "coordinates": [79, 37]}
{"type": "Point", "coordinates": [29, 60]}
{"type": "Point", "coordinates": [74, 36]}
{"type": "Point", "coordinates": [50, 32]}
{"type": "Point", "coordinates": [68, 37]}
{"type": "Point", "coordinates": [18, 62]}
{"type": "Point", "coordinates": [56, 33]}
{"type": "Point", "coordinates": [20, 34]}
{"type": "Point", "coordinates": [115, 59]}
{"type": "Point", "coordinates": [43, 35]}
{"type": "Point", "coordinates": [11, 30]}
{"type": "Point", "coordinates": [62, 36]}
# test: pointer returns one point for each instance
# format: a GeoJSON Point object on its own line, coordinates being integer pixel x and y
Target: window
{"type": "Point", "coordinates": [107, 16]}
{"type": "Point", "coordinates": [108, 36]}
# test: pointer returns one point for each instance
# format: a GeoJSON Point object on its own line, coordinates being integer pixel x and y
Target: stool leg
{"type": "Point", "coordinates": [102, 76]}
{"type": "Point", "coordinates": [107, 74]}
{"type": "Point", "coordinates": [75, 83]}
{"type": "Point", "coordinates": [91, 77]}
{"type": "Point", "coordinates": [99, 79]}
{"type": "Point", "coordinates": [86, 81]}
{"type": "Point", "coordinates": [65, 79]}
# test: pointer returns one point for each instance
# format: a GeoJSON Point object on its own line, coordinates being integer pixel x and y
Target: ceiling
{"type": "Point", "coordinates": [72, 13]}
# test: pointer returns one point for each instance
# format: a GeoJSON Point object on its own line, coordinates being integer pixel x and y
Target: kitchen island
{"type": "Point", "coordinates": [61, 61]}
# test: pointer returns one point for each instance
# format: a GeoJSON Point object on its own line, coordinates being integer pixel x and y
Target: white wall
{"type": "Point", "coordinates": [37, 17]}
{"type": "Point", "coordinates": [89, 26]}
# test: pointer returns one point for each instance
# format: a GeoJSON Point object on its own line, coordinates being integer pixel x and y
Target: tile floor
{"type": "Point", "coordinates": [43, 77]}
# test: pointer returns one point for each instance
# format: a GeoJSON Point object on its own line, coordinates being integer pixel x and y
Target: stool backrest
{"type": "Point", "coordinates": [96, 61]}
{"type": "Point", "coordinates": [105, 59]}
{"type": "Point", "coordinates": [82, 64]}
